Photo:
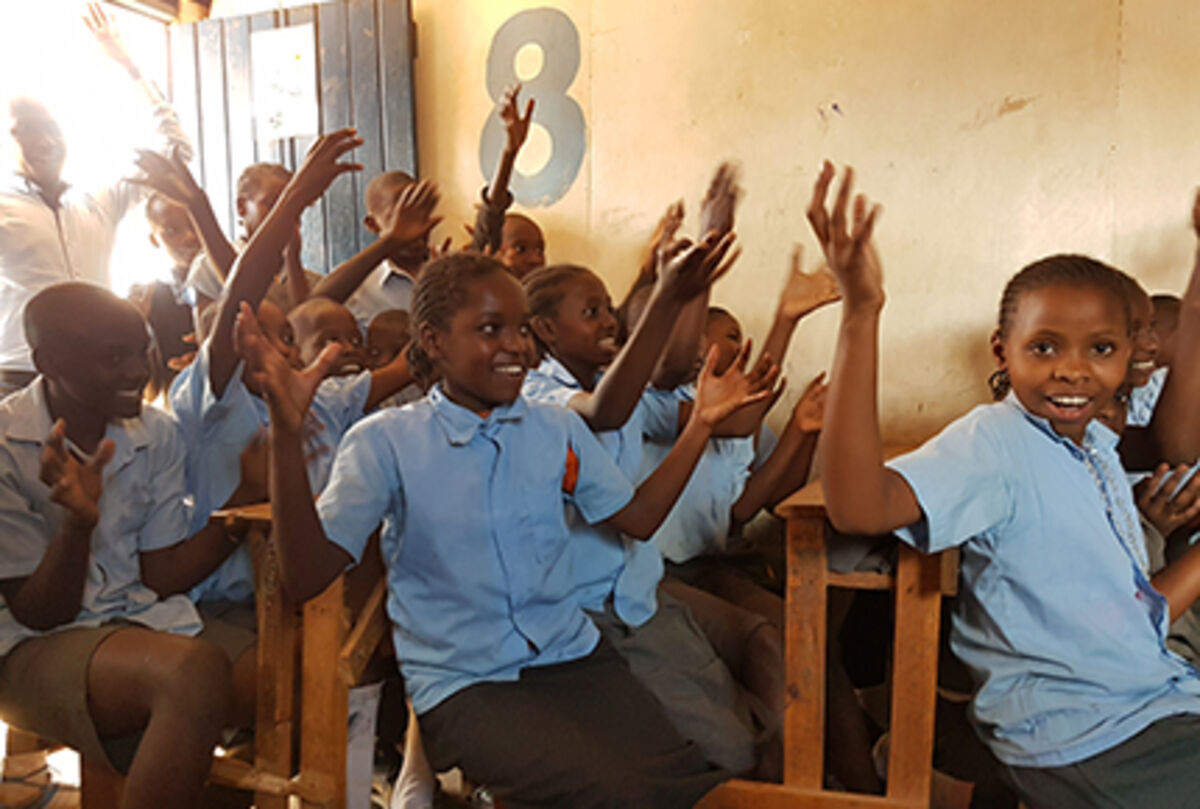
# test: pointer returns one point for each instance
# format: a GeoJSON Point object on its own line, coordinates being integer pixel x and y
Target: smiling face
{"type": "Point", "coordinates": [481, 356]}
{"type": "Point", "coordinates": [387, 334]}
{"type": "Point", "coordinates": [171, 228]}
{"type": "Point", "coordinates": [255, 204]}
{"type": "Point", "coordinates": [1067, 352]}
{"type": "Point", "coordinates": [319, 322]}
{"type": "Point", "coordinates": [582, 332]}
{"type": "Point", "coordinates": [1145, 338]}
{"type": "Point", "coordinates": [41, 148]}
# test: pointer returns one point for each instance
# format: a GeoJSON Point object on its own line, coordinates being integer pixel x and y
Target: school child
{"type": "Point", "coordinates": [98, 648]}
{"type": "Point", "coordinates": [222, 413]}
{"type": "Point", "coordinates": [509, 679]}
{"type": "Point", "coordinates": [317, 322]}
{"type": "Point", "coordinates": [381, 276]}
{"type": "Point", "coordinates": [522, 245]}
{"type": "Point", "coordinates": [1059, 622]}
{"type": "Point", "coordinates": [387, 334]}
{"type": "Point", "coordinates": [1144, 397]}
{"type": "Point", "coordinates": [616, 578]}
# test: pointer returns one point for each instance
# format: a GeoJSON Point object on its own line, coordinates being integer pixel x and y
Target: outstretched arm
{"type": "Point", "coordinates": [489, 223]}
{"type": "Point", "coordinates": [1174, 425]}
{"type": "Point", "coordinates": [255, 269]}
{"type": "Point", "coordinates": [802, 293]}
{"type": "Point", "coordinates": [52, 595]}
{"type": "Point", "coordinates": [862, 496]}
{"type": "Point", "coordinates": [716, 398]}
{"type": "Point", "coordinates": [690, 271]}
{"type": "Point", "coordinates": [308, 561]}
{"type": "Point", "coordinates": [409, 221]}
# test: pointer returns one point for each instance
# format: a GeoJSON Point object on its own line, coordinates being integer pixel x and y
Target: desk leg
{"type": "Point", "coordinates": [325, 694]}
{"type": "Point", "coordinates": [804, 711]}
{"type": "Point", "coordinates": [276, 683]}
{"type": "Point", "coordinates": [914, 676]}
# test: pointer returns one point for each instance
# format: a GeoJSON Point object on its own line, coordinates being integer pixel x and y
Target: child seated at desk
{"type": "Point", "coordinates": [510, 680]}
{"type": "Point", "coordinates": [1059, 620]}
{"type": "Point", "coordinates": [99, 646]}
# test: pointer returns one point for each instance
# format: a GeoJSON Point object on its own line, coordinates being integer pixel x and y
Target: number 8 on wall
{"type": "Point", "coordinates": [558, 113]}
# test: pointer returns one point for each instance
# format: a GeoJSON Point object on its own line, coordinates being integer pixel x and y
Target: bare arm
{"type": "Point", "coordinates": [1174, 425]}
{"type": "Point", "coordinates": [716, 398]}
{"type": "Point", "coordinates": [489, 223]}
{"type": "Point", "coordinates": [293, 273]}
{"type": "Point", "coordinates": [389, 380]}
{"type": "Point", "coordinates": [409, 221]}
{"type": "Point", "coordinates": [861, 495]}
{"type": "Point", "coordinates": [802, 293]}
{"type": "Point", "coordinates": [182, 566]}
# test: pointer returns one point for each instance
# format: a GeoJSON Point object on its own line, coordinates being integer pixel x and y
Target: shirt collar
{"type": "Point", "coordinates": [30, 422]}
{"type": "Point", "coordinates": [551, 367]}
{"type": "Point", "coordinates": [390, 269]}
{"type": "Point", "coordinates": [460, 424]}
{"type": "Point", "coordinates": [1095, 437]}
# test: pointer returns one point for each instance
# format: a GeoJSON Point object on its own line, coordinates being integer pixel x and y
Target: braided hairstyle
{"type": "Point", "coordinates": [544, 287]}
{"type": "Point", "coordinates": [440, 292]}
{"type": "Point", "coordinates": [1058, 270]}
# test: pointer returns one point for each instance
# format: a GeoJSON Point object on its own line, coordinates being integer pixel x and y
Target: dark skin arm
{"type": "Point", "coordinates": [388, 380]}
{"type": "Point", "coordinates": [182, 566]}
{"type": "Point", "coordinates": [690, 271]}
{"type": "Point", "coordinates": [308, 561]}
{"type": "Point", "coordinates": [716, 398]}
{"type": "Point", "coordinates": [516, 130]}
{"type": "Point", "coordinates": [52, 595]}
{"type": "Point", "coordinates": [409, 222]}
{"type": "Point", "coordinates": [802, 293]}
{"type": "Point", "coordinates": [862, 496]}
{"type": "Point", "coordinates": [1174, 425]}
{"type": "Point", "coordinates": [787, 468]}
{"type": "Point", "coordinates": [255, 269]}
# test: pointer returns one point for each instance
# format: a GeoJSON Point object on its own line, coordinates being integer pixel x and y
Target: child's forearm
{"type": "Point", "coordinates": [293, 274]}
{"type": "Point", "coordinates": [218, 249]}
{"type": "Point", "coordinates": [1179, 582]}
{"type": "Point", "coordinates": [655, 497]}
{"type": "Point", "coordinates": [677, 359]}
{"type": "Point", "coordinates": [348, 276]}
{"type": "Point", "coordinates": [624, 382]}
{"type": "Point", "coordinates": [389, 380]}
{"type": "Point", "coordinates": [308, 561]}
{"type": "Point", "coordinates": [780, 336]}
{"type": "Point", "coordinates": [861, 495]}
{"type": "Point", "coordinates": [784, 471]}
{"type": "Point", "coordinates": [181, 567]}
{"type": "Point", "coordinates": [53, 594]}
{"type": "Point", "coordinates": [1174, 425]}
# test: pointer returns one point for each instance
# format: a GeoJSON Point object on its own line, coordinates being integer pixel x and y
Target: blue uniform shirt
{"type": "Point", "coordinates": [1057, 620]}
{"type": "Point", "coordinates": [216, 432]}
{"type": "Point", "coordinates": [474, 534]}
{"type": "Point", "coordinates": [606, 563]}
{"type": "Point", "coordinates": [1143, 400]}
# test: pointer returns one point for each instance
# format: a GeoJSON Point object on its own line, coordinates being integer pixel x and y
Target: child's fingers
{"type": "Point", "coordinates": [104, 454]}
{"type": "Point", "coordinates": [797, 259]}
{"type": "Point", "coordinates": [743, 357]}
{"type": "Point", "coordinates": [528, 116]}
{"type": "Point", "coordinates": [814, 385]}
{"type": "Point", "coordinates": [725, 266]}
{"type": "Point", "coordinates": [325, 362]}
{"type": "Point", "coordinates": [818, 216]}
{"type": "Point", "coordinates": [838, 220]}
{"type": "Point", "coordinates": [708, 370]}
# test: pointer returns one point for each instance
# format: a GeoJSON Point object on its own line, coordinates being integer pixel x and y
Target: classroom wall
{"type": "Point", "coordinates": [993, 134]}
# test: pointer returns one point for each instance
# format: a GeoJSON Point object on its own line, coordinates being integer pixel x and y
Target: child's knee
{"type": "Point", "coordinates": [196, 676]}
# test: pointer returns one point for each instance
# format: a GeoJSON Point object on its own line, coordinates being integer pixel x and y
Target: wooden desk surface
{"type": "Point", "coordinates": [810, 500]}
{"type": "Point", "coordinates": [253, 513]}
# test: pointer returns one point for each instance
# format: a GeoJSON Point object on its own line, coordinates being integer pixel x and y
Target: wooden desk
{"type": "Point", "coordinates": [918, 584]}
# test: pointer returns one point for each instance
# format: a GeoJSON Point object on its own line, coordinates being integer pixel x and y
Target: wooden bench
{"type": "Point", "coordinates": [918, 583]}
{"type": "Point", "coordinates": [314, 647]}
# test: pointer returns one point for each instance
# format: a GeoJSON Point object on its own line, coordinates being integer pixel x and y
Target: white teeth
{"type": "Point", "coordinates": [1069, 401]}
{"type": "Point", "coordinates": [607, 342]}
{"type": "Point", "coordinates": [1145, 365]}
{"type": "Point", "coordinates": [510, 370]}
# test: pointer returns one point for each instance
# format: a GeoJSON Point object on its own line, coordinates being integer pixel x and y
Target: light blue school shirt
{"type": "Point", "coordinates": [143, 507]}
{"type": "Point", "coordinates": [1057, 620]}
{"type": "Point", "coordinates": [1143, 400]}
{"type": "Point", "coordinates": [217, 430]}
{"type": "Point", "coordinates": [386, 287]}
{"type": "Point", "coordinates": [606, 564]}
{"type": "Point", "coordinates": [700, 520]}
{"type": "Point", "coordinates": [474, 534]}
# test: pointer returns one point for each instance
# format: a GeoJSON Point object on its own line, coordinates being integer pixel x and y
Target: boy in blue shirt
{"type": "Point", "coordinates": [98, 643]}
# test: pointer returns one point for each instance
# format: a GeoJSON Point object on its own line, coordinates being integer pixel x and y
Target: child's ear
{"type": "Point", "coordinates": [998, 349]}
{"type": "Point", "coordinates": [431, 342]}
{"type": "Point", "coordinates": [370, 224]}
{"type": "Point", "coordinates": [543, 328]}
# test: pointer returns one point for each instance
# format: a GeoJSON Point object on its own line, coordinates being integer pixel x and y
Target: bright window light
{"type": "Point", "coordinates": [46, 52]}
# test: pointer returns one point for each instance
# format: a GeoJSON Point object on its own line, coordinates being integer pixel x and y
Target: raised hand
{"type": "Point", "coordinates": [1165, 507]}
{"type": "Point", "coordinates": [805, 292]}
{"type": "Point", "coordinates": [110, 41]}
{"type": "Point", "coordinates": [73, 485]}
{"type": "Point", "coordinates": [516, 126]}
{"type": "Point", "coordinates": [168, 176]}
{"type": "Point", "coordinates": [321, 167]}
{"type": "Point", "coordinates": [720, 200]}
{"type": "Point", "coordinates": [288, 392]}
{"type": "Point", "coordinates": [846, 241]}
{"type": "Point", "coordinates": [687, 270]}
{"type": "Point", "coordinates": [717, 397]}
{"type": "Point", "coordinates": [411, 217]}
{"type": "Point", "coordinates": [808, 415]}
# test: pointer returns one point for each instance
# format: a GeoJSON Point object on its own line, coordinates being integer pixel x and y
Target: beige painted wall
{"type": "Point", "coordinates": [993, 133]}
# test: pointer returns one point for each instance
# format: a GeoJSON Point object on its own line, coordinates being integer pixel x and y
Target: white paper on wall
{"type": "Point", "coordinates": [284, 66]}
